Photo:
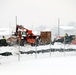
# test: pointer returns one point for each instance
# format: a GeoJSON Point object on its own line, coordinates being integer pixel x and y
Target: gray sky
{"type": "Point", "coordinates": [37, 12]}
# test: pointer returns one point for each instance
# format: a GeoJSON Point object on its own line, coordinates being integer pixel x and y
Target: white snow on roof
{"type": "Point", "coordinates": [67, 27]}
{"type": "Point", "coordinates": [47, 29]}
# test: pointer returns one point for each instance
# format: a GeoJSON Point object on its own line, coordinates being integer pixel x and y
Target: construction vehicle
{"type": "Point", "coordinates": [63, 39]}
{"type": "Point", "coordinates": [29, 37]}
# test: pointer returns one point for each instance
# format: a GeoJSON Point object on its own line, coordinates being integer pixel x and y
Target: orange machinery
{"type": "Point", "coordinates": [30, 38]}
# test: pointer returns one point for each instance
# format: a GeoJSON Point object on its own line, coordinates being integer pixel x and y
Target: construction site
{"type": "Point", "coordinates": [23, 43]}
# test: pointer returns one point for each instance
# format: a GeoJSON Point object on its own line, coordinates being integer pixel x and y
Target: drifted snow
{"type": "Point", "coordinates": [29, 47]}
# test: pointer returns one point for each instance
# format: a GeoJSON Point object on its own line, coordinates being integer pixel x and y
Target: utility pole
{"type": "Point", "coordinates": [58, 26]}
{"type": "Point", "coordinates": [19, 44]}
{"type": "Point", "coordinates": [50, 43]}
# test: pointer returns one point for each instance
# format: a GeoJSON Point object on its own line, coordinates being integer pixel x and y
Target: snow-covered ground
{"type": "Point", "coordinates": [48, 66]}
{"type": "Point", "coordinates": [50, 63]}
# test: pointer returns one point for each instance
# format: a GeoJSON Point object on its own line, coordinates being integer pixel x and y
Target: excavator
{"type": "Point", "coordinates": [29, 36]}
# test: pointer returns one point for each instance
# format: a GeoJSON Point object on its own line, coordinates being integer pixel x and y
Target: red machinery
{"type": "Point", "coordinates": [30, 37]}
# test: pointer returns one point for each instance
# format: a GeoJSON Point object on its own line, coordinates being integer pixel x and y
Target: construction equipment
{"type": "Point", "coordinates": [25, 35]}
{"type": "Point", "coordinates": [63, 39]}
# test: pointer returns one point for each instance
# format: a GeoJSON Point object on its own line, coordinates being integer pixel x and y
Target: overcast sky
{"type": "Point", "coordinates": [37, 12]}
